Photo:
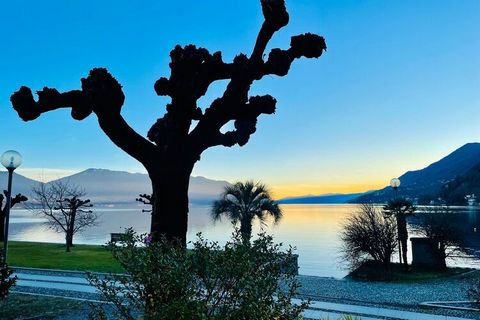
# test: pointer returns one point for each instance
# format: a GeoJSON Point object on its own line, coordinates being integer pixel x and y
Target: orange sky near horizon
{"type": "Point", "coordinates": [279, 189]}
{"type": "Point", "coordinates": [295, 190]}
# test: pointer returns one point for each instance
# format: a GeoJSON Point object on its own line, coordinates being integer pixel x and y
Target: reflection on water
{"type": "Point", "coordinates": [312, 229]}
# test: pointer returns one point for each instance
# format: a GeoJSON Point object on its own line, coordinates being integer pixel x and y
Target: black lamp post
{"type": "Point", "coordinates": [395, 183]}
{"type": "Point", "coordinates": [11, 160]}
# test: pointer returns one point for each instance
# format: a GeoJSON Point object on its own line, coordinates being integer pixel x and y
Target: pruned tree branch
{"type": "Point", "coordinates": [101, 94]}
{"type": "Point", "coordinates": [19, 198]}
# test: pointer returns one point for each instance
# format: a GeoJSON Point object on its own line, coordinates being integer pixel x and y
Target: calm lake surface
{"type": "Point", "coordinates": [312, 229]}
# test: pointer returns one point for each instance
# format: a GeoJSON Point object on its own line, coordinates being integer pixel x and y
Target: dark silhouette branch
{"type": "Point", "coordinates": [101, 94]}
{"type": "Point", "coordinates": [19, 198]}
{"type": "Point", "coordinates": [172, 146]}
{"type": "Point", "coordinates": [146, 199]}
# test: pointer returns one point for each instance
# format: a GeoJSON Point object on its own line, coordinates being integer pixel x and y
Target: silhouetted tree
{"type": "Point", "coordinates": [243, 202]}
{"type": "Point", "coordinates": [64, 209]}
{"type": "Point", "coordinates": [401, 208]}
{"type": "Point", "coordinates": [368, 235]}
{"type": "Point", "coordinates": [14, 201]}
{"type": "Point", "coordinates": [175, 147]}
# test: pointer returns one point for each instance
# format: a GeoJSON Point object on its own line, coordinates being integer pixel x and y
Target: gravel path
{"type": "Point", "coordinates": [395, 295]}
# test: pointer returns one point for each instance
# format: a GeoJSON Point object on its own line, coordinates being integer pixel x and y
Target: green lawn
{"type": "Point", "coordinates": [20, 306]}
{"type": "Point", "coordinates": [53, 256]}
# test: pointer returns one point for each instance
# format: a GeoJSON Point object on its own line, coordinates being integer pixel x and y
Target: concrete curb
{"type": "Point", "coordinates": [442, 305]}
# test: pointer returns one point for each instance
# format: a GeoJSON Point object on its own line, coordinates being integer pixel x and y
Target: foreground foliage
{"type": "Point", "coordinates": [240, 280]}
{"type": "Point", "coordinates": [368, 235]}
{"type": "Point", "coordinates": [6, 279]}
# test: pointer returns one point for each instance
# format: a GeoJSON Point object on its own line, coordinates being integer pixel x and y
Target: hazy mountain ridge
{"type": "Point", "coordinates": [455, 174]}
{"type": "Point", "coordinates": [20, 184]}
{"type": "Point", "coordinates": [119, 187]}
{"type": "Point", "coordinates": [429, 180]}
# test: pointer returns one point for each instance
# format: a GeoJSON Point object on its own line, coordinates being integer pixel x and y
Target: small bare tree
{"type": "Point", "coordinates": [61, 203]}
{"type": "Point", "coordinates": [368, 235]}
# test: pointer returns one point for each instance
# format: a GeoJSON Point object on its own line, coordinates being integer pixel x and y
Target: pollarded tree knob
{"type": "Point", "coordinates": [275, 13]}
{"type": "Point", "coordinates": [103, 91]}
{"type": "Point", "coordinates": [23, 102]}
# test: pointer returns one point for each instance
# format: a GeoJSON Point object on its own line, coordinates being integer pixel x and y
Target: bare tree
{"type": "Point", "coordinates": [19, 198]}
{"type": "Point", "coordinates": [174, 146]}
{"type": "Point", "coordinates": [61, 203]}
{"type": "Point", "coordinates": [447, 234]}
{"type": "Point", "coordinates": [368, 235]}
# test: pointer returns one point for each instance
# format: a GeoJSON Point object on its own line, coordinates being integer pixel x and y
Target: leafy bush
{"type": "Point", "coordinates": [240, 280]}
{"type": "Point", "coordinates": [6, 279]}
{"type": "Point", "coordinates": [368, 235]}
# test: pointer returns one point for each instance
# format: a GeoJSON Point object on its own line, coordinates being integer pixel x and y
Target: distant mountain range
{"type": "Point", "coordinates": [106, 187]}
{"type": "Point", "coordinates": [451, 178]}
{"type": "Point", "coordinates": [20, 183]}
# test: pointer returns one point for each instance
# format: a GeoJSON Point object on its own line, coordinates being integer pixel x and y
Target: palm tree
{"type": "Point", "coordinates": [243, 202]}
{"type": "Point", "coordinates": [401, 208]}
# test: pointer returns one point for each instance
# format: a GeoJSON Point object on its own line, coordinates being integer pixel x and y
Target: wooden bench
{"type": "Point", "coordinates": [115, 237]}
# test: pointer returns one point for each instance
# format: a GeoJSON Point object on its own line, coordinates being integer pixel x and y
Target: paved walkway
{"type": "Point", "coordinates": [74, 284]}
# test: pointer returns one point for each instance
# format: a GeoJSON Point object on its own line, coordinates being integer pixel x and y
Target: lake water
{"type": "Point", "coordinates": [312, 229]}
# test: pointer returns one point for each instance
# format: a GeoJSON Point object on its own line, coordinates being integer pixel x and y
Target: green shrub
{"type": "Point", "coordinates": [6, 279]}
{"type": "Point", "coordinates": [240, 280]}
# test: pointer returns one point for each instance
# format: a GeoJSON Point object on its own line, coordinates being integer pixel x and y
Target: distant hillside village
{"type": "Point", "coordinates": [453, 180]}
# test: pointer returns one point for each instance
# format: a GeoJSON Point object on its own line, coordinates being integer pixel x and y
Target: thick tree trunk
{"type": "Point", "coordinates": [68, 241]}
{"type": "Point", "coordinates": [170, 206]}
{"type": "Point", "coordinates": [442, 263]}
{"type": "Point", "coordinates": [246, 229]}
{"type": "Point", "coordinates": [404, 253]}
{"type": "Point", "coordinates": [403, 237]}
{"type": "Point", "coordinates": [70, 227]}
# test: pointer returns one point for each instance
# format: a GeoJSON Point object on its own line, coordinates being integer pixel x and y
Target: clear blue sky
{"type": "Point", "coordinates": [398, 88]}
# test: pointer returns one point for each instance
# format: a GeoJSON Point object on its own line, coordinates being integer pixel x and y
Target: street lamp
{"type": "Point", "coordinates": [11, 160]}
{"type": "Point", "coordinates": [395, 183]}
